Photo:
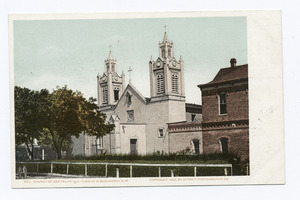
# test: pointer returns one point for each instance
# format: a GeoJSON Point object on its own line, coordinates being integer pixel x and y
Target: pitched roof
{"type": "Point", "coordinates": [132, 89]}
{"type": "Point", "coordinates": [229, 74]}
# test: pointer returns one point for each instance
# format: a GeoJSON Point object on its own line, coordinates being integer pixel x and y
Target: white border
{"type": "Point", "coordinates": [265, 102]}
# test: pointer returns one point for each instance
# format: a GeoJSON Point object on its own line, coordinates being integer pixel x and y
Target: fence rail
{"type": "Point", "coordinates": [130, 165]}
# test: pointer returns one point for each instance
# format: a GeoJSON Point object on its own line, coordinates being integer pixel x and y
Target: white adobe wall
{"type": "Point", "coordinates": [132, 131]}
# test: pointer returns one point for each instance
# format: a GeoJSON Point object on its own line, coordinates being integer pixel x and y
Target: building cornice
{"type": "Point", "coordinates": [233, 124]}
{"type": "Point", "coordinates": [184, 127]}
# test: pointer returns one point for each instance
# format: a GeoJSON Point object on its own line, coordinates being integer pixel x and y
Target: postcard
{"type": "Point", "coordinates": [146, 99]}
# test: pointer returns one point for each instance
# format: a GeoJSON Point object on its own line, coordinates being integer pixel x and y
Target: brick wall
{"type": "Point", "coordinates": [181, 140]}
{"type": "Point", "coordinates": [238, 141]}
{"type": "Point", "coordinates": [236, 104]}
{"type": "Point", "coordinates": [234, 125]}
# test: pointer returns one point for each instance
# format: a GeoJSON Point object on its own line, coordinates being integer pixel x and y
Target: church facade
{"type": "Point", "coordinates": [141, 124]}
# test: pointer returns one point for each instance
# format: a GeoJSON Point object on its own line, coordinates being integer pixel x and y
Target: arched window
{"type": "Point", "coordinates": [163, 52]}
{"type": "Point", "coordinates": [174, 83]}
{"type": "Point", "coordinates": [160, 83]}
{"type": "Point", "coordinates": [224, 144]}
{"type": "Point", "coordinates": [128, 97]}
{"type": "Point", "coordinates": [113, 67]}
{"type": "Point", "coordinates": [169, 52]}
{"type": "Point", "coordinates": [196, 146]}
{"type": "Point", "coordinates": [116, 94]}
{"type": "Point", "coordinates": [104, 95]}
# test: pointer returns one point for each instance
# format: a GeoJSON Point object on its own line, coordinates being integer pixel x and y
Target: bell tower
{"type": "Point", "coordinates": [166, 73]}
{"type": "Point", "coordinates": [110, 85]}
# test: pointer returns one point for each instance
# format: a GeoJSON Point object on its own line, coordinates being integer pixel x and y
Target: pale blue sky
{"type": "Point", "coordinates": [48, 53]}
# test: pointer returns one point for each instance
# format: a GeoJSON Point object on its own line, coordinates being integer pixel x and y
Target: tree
{"type": "Point", "coordinates": [31, 108]}
{"type": "Point", "coordinates": [53, 118]}
{"type": "Point", "coordinates": [70, 115]}
{"type": "Point", "coordinates": [94, 121]}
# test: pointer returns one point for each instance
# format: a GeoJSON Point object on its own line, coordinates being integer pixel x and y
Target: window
{"type": "Point", "coordinates": [224, 144]}
{"type": "Point", "coordinates": [104, 95]}
{"type": "Point", "coordinates": [169, 52]}
{"type": "Point", "coordinates": [160, 83]}
{"type": "Point", "coordinates": [113, 68]}
{"type": "Point", "coordinates": [174, 83]}
{"type": "Point", "coordinates": [107, 67]}
{"type": "Point", "coordinates": [193, 117]}
{"type": "Point", "coordinates": [222, 103]}
{"type": "Point", "coordinates": [161, 132]}
{"type": "Point", "coordinates": [128, 98]}
{"type": "Point", "coordinates": [163, 52]}
{"type": "Point", "coordinates": [130, 116]}
{"type": "Point", "coordinates": [99, 143]}
{"type": "Point", "coordinates": [116, 94]}
{"type": "Point", "coordinates": [196, 146]}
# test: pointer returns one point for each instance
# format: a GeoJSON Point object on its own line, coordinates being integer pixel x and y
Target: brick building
{"type": "Point", "coordinates": [225, 125]}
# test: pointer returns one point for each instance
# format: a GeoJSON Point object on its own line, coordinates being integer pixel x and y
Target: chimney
{"type": "Point", "coordinates": [233, 62]}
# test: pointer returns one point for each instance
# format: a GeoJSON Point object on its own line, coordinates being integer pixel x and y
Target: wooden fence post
{"type": "Point", "coordinates": [225, 171]}
{"type": "Point", "coordinates": [195, 171]}
{"type": "Point", "coordinates": [117, 173]}
{"type": "Point", "coordinates": [130, 171]}
{"type": "Point", "coordinates": [51, 168]}
{"type": "Point", "coordinates": [67, 168]}
{"type": "Point", "coordinates": [159, 172]}
{"type": "Point", "coordinates": [85, 170]}
{"type": "Point", "coordinates": [106, 170]}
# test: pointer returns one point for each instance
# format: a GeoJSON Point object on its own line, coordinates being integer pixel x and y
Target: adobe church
{"type": "Point", "coordinates": [141, 124]}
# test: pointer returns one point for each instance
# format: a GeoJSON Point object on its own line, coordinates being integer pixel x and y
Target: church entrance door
{"type": "Point", "coordinates": [133, 149]}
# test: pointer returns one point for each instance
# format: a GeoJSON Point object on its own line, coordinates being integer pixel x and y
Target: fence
{"type": "Point", "coordinates": [127, 169]}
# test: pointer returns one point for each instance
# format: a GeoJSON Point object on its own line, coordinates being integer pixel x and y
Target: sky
{"type": "Point", "coordinates": [50, 53]}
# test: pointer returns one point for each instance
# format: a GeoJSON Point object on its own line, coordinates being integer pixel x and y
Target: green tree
{"type": "Point", "coordinates": [70, 115]}
{"type": "Point", "coordinates": [31, 116]}
{"type": "Point", "coordinates": [53, 118]}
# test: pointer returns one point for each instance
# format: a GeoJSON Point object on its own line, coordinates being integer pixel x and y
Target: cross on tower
{"type": "Point", "coordinates": [165, 27]}
{"type": "Point", "coordinates": [129, 70]}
